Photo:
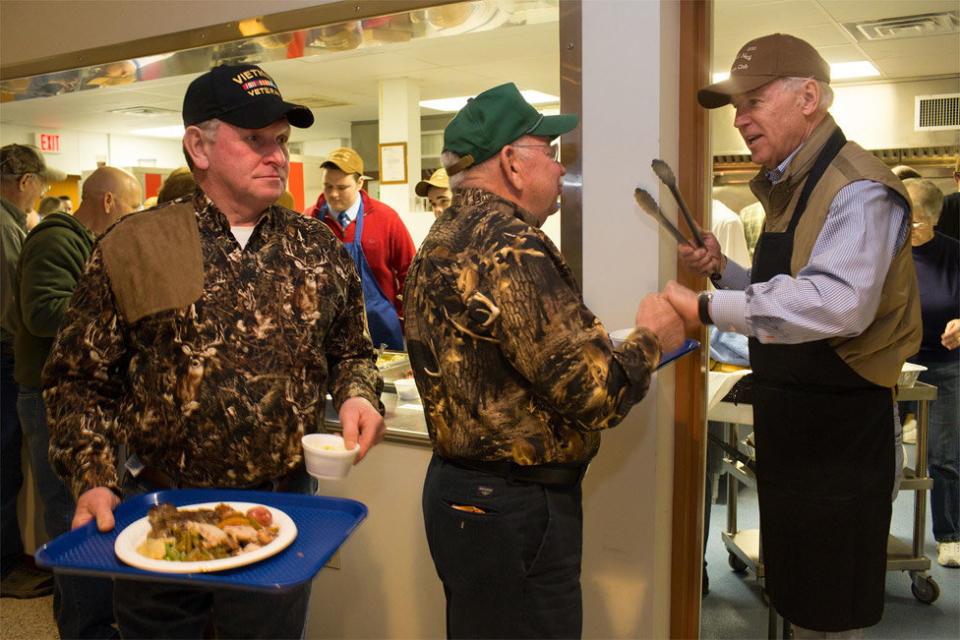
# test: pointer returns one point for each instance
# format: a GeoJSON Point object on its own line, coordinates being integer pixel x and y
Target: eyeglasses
{"type": "Point", "coordinates": [43, 181]}
{"type": "Point", "coordinates": [554, 149]}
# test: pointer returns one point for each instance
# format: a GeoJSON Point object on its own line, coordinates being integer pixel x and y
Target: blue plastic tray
{"type": "Point", "coordinates": [322, 525]}
{"type": "Point", "coordinates": [688, 346]}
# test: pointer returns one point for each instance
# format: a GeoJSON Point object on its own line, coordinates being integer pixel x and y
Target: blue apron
{"type": "Point", "coordinates": [382, 317]}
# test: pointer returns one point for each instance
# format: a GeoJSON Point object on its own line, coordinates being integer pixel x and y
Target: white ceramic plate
{"type": "Point", "coordinates": [136, 532]}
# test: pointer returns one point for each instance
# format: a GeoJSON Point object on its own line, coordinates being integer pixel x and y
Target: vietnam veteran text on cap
{"type": "Point", "coordinates": [494, 119]}
{"type": "Point", "coordinates": [241, 95]}
{"type": "Point", "coordinates": [764, 60]}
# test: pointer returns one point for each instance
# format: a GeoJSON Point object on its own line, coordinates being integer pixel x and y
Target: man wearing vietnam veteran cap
{"type": "Point", "coordinates": [832, 311]}
{"type": "Point", "coordinates": [203, 335]}
{"type": "Point", "coordinates": [517, 377]}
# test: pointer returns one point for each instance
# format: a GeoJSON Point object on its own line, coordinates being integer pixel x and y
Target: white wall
{"type": "Point", "coordinates": [627, 492]}
{"type": "Point", "coordinates": [80, 150]}
{"type": "Point", "coordinates": [386, 586]}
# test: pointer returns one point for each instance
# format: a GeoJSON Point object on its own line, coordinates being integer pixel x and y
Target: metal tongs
{"type": "Point", "coordinates": [648, 204]}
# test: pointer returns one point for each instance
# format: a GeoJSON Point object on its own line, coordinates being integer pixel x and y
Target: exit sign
{"type": "Point", "coordinates": [50, 143]}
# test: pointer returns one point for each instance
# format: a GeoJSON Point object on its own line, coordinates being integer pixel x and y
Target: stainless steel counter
{"type": "Point", "coordinates": [404, 420]}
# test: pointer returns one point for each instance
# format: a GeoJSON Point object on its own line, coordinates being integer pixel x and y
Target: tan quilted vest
{"type": "Point", "coordinates": [879, 352]}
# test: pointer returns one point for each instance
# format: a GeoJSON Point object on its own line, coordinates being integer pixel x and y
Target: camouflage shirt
{"type": "Point", "coordinates": [509, 362]}
{"type": "Point", "coordinates": [217, 392]}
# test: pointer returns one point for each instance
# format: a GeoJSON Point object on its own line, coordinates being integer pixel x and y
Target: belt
{"type": "Point", "coordinates": [549, 474]}
{"type": "Point", "coordinates": [165, 481]}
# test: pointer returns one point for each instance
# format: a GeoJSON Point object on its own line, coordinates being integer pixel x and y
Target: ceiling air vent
{"type": "Point", "coordinates": [937, 113]}
{"type": "Point", "coordinates": [144, 111]}
{"type": "Point", "coordinates": [926, 24]}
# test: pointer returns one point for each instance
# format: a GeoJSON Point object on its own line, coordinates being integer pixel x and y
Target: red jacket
{"type": "Point", "coordinates": [386, 243]}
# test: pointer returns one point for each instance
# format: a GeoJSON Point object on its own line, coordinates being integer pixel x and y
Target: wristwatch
{"type": "Point", "coordinates": [703, 307]}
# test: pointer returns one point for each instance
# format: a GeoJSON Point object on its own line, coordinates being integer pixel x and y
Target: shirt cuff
{"type": "Point", "coordinates": [728, 311]}
{"type": "Point", "coordinates": [734, 276]}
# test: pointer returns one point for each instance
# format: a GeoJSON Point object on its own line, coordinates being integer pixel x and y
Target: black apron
{"type": "Point", "coordinates": [825, 464]}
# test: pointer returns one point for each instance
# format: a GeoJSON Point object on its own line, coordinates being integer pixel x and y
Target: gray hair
{"type": "Point", "coordinates": [209, 130]}
{"type": "Point", "coordinates": [826, 92]}
{"type": "Point", "coordinates": [449, 158]}
{"type": "Point", "coordinates": [926, 197]}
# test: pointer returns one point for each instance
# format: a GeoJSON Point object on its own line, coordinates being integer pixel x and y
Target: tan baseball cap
{"type": "Point", "coordinates": [345, 159]}
{"type": "Point", "coordinates": [763, 60]}
{"type": "Point", "coordinates": [437, 179]}
{"type": "Point", "coordinates": [20, 159]}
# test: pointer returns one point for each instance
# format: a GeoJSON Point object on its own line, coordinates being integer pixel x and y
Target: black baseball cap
{"type": "Point", "coordinates": [242, 95]}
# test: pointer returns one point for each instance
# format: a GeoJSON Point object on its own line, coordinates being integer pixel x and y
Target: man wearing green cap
{"type": "Point", "coordinates": [832, 310]}
{"type": "Point", "coordinates": [517, 377]}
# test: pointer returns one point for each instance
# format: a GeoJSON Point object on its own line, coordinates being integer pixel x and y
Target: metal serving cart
{"type": "Point", "coordinates": [743, 545]}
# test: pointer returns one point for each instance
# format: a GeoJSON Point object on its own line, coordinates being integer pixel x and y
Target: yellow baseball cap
{"type": "Point", "coordinates": [345, 159]}
{"type": "Point", "coordinates": [437, 179]}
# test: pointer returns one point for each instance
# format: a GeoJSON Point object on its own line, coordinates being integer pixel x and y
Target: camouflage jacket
{"type": "Point", "coordinates": [509, 362]}
{"type": "Point", "coordinates": [218, 391]}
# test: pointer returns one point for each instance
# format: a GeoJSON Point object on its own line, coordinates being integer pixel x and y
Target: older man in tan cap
{"type": "Point", "coordinates": [23, 180]}
{"type": "Point", "coordinates": [376, 238]}
{"type": "Point", "coordinates": [436, 189]}
{"type": "Point", "coordinates": [832, 311]}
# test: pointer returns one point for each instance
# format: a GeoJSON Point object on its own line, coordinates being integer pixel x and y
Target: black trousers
{"type": "Point", "coordinates": [512, 571]}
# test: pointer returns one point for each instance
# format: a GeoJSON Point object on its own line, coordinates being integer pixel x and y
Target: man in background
{"type": "Point", "coordinates": [67, 203]}
{"type": "Point", "coordinates": [517, 377]}
{"type": "Point", "coordinates": [832, 311]}
{"type": "Point", "coordinates": [376, 238]}
{"type": "Point", "coordinates": [436, 189]}
{"type": "Point", "coordinates": [177, 184]}
{"type": "Point", "coordinates": [51, 261]}
{"type": "Point", "coordinates": [23, 180]}
{"type": "Point", "coordinates": [949, 224]}
{"type": "Point", "coordinates": [204, 335]}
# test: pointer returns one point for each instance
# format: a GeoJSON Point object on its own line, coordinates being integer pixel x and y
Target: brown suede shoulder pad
{"type": "Point", "coordinates": [154, 261]}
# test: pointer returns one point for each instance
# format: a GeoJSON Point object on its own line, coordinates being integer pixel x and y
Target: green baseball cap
{"type": "Point", "coordinates": [492, 120]}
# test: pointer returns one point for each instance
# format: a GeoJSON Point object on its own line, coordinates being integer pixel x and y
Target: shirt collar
{"type": "Point", "coordinates": [18, 215]}
{"type": "Point", "coordinates": [775, 175]}
{"type": "Point", "coordinates": [351, 211]}
{"type": "Point", "coordinates": [209, 210]}
{"type": "Point", "coordinates": [480, 198]}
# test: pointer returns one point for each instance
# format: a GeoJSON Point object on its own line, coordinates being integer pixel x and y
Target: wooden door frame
{"type": "Point", "coordinates": [689, 455]}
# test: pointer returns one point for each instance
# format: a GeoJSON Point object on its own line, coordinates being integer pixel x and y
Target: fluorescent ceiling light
{"type": "Point", "coordinates": [859, 69]}
{"type": "Point", "coordinates": [838, 71]}
{"type": "Point", "coordinates": [173, 131]}
{"type": "Point", "coordinates": [455, 104]}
